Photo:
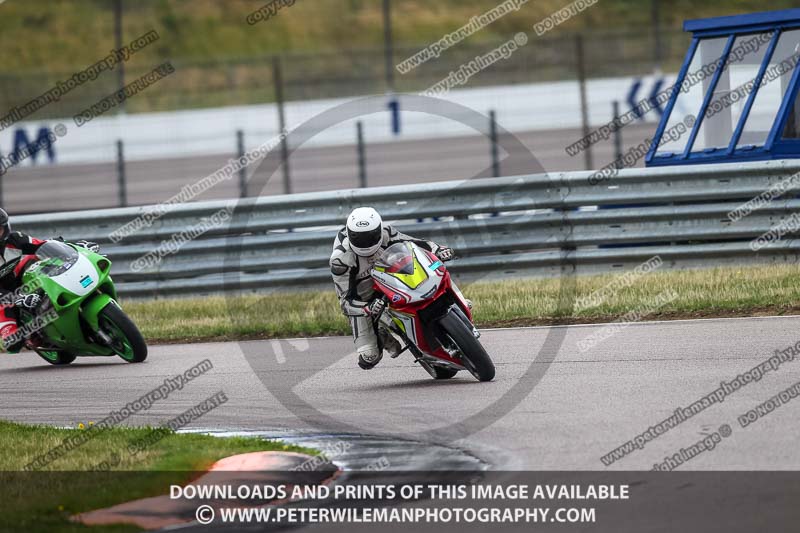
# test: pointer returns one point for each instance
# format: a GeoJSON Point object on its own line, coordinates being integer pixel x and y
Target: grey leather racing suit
{"type": "Point", "coordinates": [351, 277]}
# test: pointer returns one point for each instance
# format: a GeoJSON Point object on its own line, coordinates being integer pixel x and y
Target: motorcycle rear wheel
{"type": "Point", "coordinates": [473, 354]}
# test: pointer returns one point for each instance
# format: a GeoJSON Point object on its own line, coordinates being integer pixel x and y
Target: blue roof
{"type": "Point", "coordinates": [736, 22]}
{"type": "Point", "coordinates": [730, 142]}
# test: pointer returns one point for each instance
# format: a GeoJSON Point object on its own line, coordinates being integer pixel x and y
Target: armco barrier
{"type": "Point", "coordinates": [537, 225]}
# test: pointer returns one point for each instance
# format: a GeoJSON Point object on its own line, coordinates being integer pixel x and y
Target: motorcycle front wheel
{"type": "Point", "coordinates": [126, 340]}
{"type": "Point", "coordinates": [473, 354]}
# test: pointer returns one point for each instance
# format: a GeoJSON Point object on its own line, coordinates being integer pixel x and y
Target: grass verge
{"type": "Point", "coordinates": [222, 60]}
{"type": "Point", "coordinates": [715, 292]}
{"type": "Point", "coordinates": [44, 501]}
{"type": "Point", "coordinates": [71, 32]}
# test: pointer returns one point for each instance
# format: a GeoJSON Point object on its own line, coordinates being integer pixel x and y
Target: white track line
{"type": "Point", "coordinates": [645, 322]}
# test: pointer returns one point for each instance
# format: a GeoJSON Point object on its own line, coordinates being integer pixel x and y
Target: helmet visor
{"type": "Point", "coordinates": [364, 239]}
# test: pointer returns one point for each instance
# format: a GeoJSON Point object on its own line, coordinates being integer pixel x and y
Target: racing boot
{"type": "Point", "coordinates": [9, 332]}
{"type": "Point", "coordinates": [12, 341]}
{"type": "Point", "coordinates": [369, 356]}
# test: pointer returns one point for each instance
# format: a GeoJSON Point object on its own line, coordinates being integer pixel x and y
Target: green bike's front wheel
{"type": "Point", "coordinates": [126, 339]}
{"type": "Point", "coordinates": [56, 357]}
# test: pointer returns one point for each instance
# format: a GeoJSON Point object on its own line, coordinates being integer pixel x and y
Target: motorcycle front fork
{"type": "Point", "coordinates": [387, 324]}
{"type": "Point", "coordinates": [391, 328]}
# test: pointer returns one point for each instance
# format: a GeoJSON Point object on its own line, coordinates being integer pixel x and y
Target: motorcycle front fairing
{"type": "Point", "coordinates": [408, 275]}
{"type": "Point", "coordinates": [419, 290]}
{"type": "Point", "coordinates": [73, 279]}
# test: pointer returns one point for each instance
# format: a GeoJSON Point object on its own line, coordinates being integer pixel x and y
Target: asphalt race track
{"type": "Point", "coordinates": [580, 405]}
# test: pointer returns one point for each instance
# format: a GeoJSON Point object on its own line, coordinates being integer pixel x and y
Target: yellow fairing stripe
{"type": "Point", "coordinates": [412, 281]}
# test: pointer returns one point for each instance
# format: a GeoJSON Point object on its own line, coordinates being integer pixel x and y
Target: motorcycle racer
{"type": "Point", "coordinates": [12, 280]}
{"type": "Point", "coordinates": [355, 249]}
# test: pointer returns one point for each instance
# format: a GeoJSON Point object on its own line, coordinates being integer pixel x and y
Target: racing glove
{"type": "Point", "coordinates": [89, 245]}
{"type": "Point", "coordinates": [375, 307]}
{"type": "Point", "coordinates": [28, 301]}
{"type": "Point", "coordinates": [445, 254]}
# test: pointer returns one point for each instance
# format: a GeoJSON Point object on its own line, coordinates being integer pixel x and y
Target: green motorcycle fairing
{"type": "Point", "coordinates": [76, 284]}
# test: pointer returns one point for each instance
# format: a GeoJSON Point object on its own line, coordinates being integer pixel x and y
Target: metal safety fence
{"type": "Point", "coordinates": [519, 226]}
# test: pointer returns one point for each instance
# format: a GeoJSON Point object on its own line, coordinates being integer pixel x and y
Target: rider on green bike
{"type": "Point", "coordinates": [12, 280]}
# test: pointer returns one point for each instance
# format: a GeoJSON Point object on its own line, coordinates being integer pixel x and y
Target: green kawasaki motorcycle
{"type": "Point", "coordinates": [78, 314]}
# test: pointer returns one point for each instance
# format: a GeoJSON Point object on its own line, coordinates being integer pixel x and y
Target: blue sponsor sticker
{"type": "Point", "coordinates": [86, 281]}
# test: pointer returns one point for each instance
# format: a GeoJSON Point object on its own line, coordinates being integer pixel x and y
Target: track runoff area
{"type": "Point", "coordinates": [412, 454]}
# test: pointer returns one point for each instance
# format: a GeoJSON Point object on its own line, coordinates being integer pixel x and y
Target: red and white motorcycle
{"type": "Point", "coordinates": [427, 314]}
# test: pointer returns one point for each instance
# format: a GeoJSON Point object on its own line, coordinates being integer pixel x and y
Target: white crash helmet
{"type": "Point", "coordinates": [364, 231]}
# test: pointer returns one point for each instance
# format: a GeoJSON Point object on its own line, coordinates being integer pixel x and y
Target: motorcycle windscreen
{"type": "Point", "coordinates": [56, 257]}
{"type": "Point", "coordinates": [400, 262]}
